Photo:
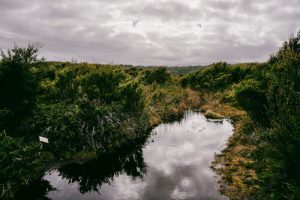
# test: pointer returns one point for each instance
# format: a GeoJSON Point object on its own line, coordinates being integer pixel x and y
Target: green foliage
{"type": "Point", "coordinates": [85, 107]}
{"type": "Point", "coordinates": [218, 76]}
{"type": "Point", "coordinates": [270, 93]}
{"type": "Point", "coordinates": [249, 95]}
{"type": "Point", "coordinates": [79, 107]}
{"type": "Point", "coordinates": [103, 84]}
{"type": "Point", "coordinates": [290, 49]}
{"type": "Point", "coordinates": [19, 164]}
{"type": "Point", "coordinates": [158, 75]}
{"type": "Point", "coordinates": [273, 100]}
{"type": "Point", "coordinates": [17, 85]}
{"type": "Point", "coordinates": [67, 83]}
{"type": "Point", "coordinates": [133, 96]}
{"type": "Point", "coordinates": [281, 143]}
{"type": "Point", "coordinates": [133, 71]}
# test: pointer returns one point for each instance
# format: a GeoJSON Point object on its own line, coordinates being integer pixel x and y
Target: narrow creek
{"type": "Point", "coordinates": [174, 163]}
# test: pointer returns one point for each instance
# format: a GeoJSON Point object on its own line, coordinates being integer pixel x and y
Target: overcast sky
{"type": "Point", "coordinates": [150, 32]}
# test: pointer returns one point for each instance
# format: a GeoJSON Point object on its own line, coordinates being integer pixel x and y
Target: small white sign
{"type": "Point", "coordinates": [43, 139]}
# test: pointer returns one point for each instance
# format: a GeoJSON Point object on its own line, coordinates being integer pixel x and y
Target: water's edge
{"type": "Point", "coordinates": [173, 163]}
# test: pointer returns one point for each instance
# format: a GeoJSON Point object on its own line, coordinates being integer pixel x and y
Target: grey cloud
{"type": "Point", "coordinates": [13, 5]}
{"type": "Point", "coordinates": [221, 5]}
{"type": "Point", "coordinates": [164, 10]}
{"type": "Point", "coordinates": [104, 31]}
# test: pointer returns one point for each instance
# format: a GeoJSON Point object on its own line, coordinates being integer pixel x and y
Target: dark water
{"type": "Point", "coordinates": [172, 164]}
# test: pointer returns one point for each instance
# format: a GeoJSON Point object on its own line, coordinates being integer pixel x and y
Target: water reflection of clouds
{"type": "Point", "coordinates": [124, 188]}
{"type": "Point", "coordinates": [177, 164]}
{"type": "Point", "coordinates": [64, 186]}
{"type": "Point", "coordinates": [186, 189]}
{"type": "Point", "coordinates": [179, 147]}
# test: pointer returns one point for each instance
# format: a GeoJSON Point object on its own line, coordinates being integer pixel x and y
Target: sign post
{"type": "Point", "coordinates": [43, 140]}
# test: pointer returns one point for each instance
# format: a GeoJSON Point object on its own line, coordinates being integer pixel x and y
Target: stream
{"type": "Point", "coordinates": [173, 163]}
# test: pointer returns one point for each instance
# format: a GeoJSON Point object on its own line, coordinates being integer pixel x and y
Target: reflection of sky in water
{"type": "Point", "coordinates": [177, 155]}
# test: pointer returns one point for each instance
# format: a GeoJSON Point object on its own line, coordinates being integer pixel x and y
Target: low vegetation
{"type": "Point", "coordinates": [83, 109]}
{"type": "Point", "coordinates": [262, 157]}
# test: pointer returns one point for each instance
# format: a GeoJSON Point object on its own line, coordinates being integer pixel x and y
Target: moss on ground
{"type": "Point", "coordinates": [234, 164]}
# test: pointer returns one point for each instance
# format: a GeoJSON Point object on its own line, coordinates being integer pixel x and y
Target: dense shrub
{"type": "Point", "coordinates": [20, 163]}
{"type": "Point", "coordinates": [215, 77]}
{"type": "Point", "coordinates": [133, 96]}
{"type": "Point", "coordinates": [270, 93]}
{"type": "Point", "coordinates": [276, 106]}
{"type": "Point", "coordinates": [103, 84]}
{"type": "Point", "coordinates": [281, 143]}
{"type": "Point", "coordinates": [250, 95]}
{"type": "Point", "coordinates": [158, 75]}
{"type": "Point", "coordinates": [78, 107]}
{"type": "Point", "coordinates": [17, 85]}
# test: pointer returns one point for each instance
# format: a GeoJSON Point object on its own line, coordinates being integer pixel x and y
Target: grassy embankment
{"type": "Point", "coordinates": [234, 163]}
{"type": "Point", "coordinates": [262, 157]}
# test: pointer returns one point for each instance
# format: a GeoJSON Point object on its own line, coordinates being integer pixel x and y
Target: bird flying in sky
{"type": "Point", "coordinates": [135, 22]}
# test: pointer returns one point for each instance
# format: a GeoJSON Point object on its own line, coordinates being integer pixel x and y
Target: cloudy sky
{"type": "Point", "coordinates": [150, 32]}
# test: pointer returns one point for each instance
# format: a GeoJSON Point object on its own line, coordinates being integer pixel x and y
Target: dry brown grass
{"type": "Point", "coordinates": [193, 98]}
{"type": "Point", "coordinates": [182, 106]}
{"type": "Point", "coordinates": [211, 102]}
{"type": "Point", "coordinates": [239, 180]}
{"type": "Point", "coordinates": [173, 102]}
{"type": "Point", "coordinates": [233, 165]}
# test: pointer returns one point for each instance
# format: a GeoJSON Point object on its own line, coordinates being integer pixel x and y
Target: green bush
{"type": "Point", "coordinates": [133, 96]}
{"type": "Point", "coordinates": [249, 95]}
{"type": "Point", "coordinates": [218, 76]}
{"type": "Point", "coordinates": [18, 86]}
{"type": "Point", "coordinates": [270, 93]}
{"type": "Point", "coordinates": [20, 164]}
{"type": "Point", "coordinates": [158, 75]}
{"type": "Point", "coordinates": [278, 163]}
{"type": "Point", "coordinates": [103, 84]}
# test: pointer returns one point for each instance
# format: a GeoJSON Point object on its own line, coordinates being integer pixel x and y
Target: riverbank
{"type": "Point", "coordinates": [238, 178]}
{"type": "Point", "coordinates": [142, 171]}
{"type": "Point", "coordinates": [164, 104]}
{"type": "Point", "coordinates": [191, 101]}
